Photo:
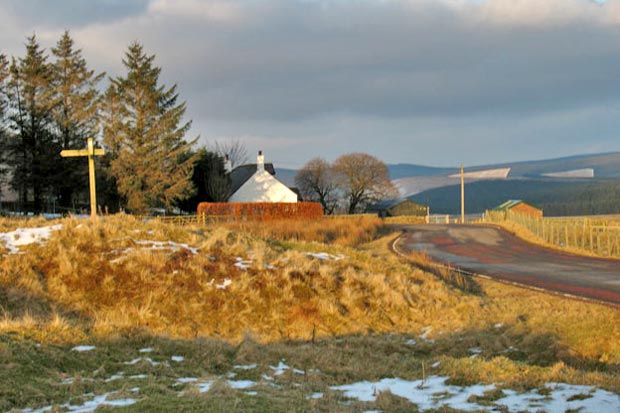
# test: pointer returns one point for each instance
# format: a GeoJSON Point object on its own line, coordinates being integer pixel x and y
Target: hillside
{"type": "Point", "coordinates": [555, 196]}
{"type": "Point", "coordinates": [605, 165]}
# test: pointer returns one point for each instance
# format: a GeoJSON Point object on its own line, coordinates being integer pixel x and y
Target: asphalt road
{"type": "Point", "coordinates": [491, 251]}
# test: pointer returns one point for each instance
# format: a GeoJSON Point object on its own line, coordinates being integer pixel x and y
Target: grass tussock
{"type": "Point", "coordinates": [350, 231]}
{"type": "Point", "coordinates": [118, 274]}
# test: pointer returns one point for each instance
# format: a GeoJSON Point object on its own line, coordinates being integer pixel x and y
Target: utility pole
{"type": "Point", "coordinates": [462, 194]}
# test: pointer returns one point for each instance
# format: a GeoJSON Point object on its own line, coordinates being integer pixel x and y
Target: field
{"type": "Point", "coordinates": [288, 316]}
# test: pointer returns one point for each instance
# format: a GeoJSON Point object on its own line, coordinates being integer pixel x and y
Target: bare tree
{"type": "Point", "coordinates": [316, 182]}
{"type": "Point", "coordinates": [364, 180]}
{"type": "Point", "coordinates": [235, 149]}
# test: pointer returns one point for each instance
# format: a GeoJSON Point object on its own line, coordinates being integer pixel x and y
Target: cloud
{"type": "Point", "coordinates": [72, 12]}
{"type": "Point", "coordinates": [345, 71]}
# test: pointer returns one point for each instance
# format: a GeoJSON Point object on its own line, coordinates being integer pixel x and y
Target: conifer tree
{"type": "Point", "coordinates": [148, 148]}
{"type": "Point", "coordinates": [76, 110]}
{"type": "Point", "coordinates": [32, 151]}
{"type": "Point", "coordinates": [211, 180]}
{"type": "Point", "coordinates": [111, 125]}
{"type": "Point", "coordinates": [4, 74]}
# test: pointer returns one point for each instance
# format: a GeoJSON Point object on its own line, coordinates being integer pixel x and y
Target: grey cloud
{"type": "Point", "coordinates": [409, 81]}
{"type": "Point", "coordinates": [388, 60]}
{"type": "Point", "coordinates": [74, 13]}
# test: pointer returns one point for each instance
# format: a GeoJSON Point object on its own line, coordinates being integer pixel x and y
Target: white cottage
{"type": "Point", "coordinates": [257, 183]}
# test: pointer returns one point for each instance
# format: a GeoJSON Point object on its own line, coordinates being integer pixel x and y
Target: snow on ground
{"type": "Point", "coordinates": [222, 286]}
{"type": "Point", "coordinates": [24, 236]}
{"type": "Point", "coordinates": [245, 367]}
{"type": "Point", "coordinates": [83, 348]}
{"type": "Point", "coordinates": [153, 246]}
{"type": "Point", "coordinates": [139, 359]}
{"type": "Point", "coordinates": [89, 406]}
{"type": "Point", "coordinates": [434, 393]}
{"type": "Point", "coordinates": [325, 256]}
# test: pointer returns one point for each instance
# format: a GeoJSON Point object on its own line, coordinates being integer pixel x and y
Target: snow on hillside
{"type": "Point", "coordinates": [500, 173]}
{"type": "Point", "coordinates": [575, 173]}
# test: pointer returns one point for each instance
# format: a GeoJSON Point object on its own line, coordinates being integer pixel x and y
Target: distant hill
{"type": "Point", "coordinates": [574, 185]}
{"type": "Point", "coordinates": [605, 165]}
{"type": "Point", "coordinates": [405, 170]}
{"type": "Point", "coordinates": [555, 196]}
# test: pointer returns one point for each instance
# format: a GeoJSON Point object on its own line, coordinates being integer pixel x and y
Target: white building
{"type": "Point", "coordinates": [257, 183]}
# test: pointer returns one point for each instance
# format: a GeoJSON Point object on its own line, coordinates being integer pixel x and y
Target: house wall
{"type": "Point", "coordinates": [407, 208]}
{"type": "Point", "coordinates": [263, 187]}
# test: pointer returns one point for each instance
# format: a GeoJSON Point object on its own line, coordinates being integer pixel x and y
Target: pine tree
{"type": "Point", "coordinates": [32, 152]}
{"type": "Point", "coordinates": [210, 179]}
{"type": "Point", "coordinates": [4, 74]}
{"type": "Point", "coordinates": [107, 187]}
{"type": "Point", "coordinates": [76, 110]}
{"type": "Point", "coordinates": [148, 150]}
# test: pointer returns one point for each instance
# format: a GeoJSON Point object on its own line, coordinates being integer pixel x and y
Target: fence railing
{"type": "Point", "coordinates": [598, 235]}
{"type": "Point", "coordinates": [454, 219]}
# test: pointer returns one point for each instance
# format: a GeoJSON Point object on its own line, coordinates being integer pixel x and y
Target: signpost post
{"type": "Point", "coordinates": [462, 194]}
{"type": "Point", "coordinates": [91, 152]}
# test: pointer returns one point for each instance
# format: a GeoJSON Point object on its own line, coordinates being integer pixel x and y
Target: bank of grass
{"type": "Point", "coordinates": [351, 318]}
{"type": "Point", "coordinates": [569, 234]}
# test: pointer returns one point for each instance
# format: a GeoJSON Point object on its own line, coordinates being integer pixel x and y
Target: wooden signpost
{"type": "Point", "coordinates": [462, 194]}
{"type": "Point", "coordinates": [91, 152]}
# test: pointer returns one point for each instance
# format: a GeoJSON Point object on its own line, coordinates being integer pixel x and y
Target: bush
{"type": "Point", "coordinates": [262, 210]}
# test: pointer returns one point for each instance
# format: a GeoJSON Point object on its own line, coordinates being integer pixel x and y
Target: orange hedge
{"type": "Point", "coordinates": [262, 210]}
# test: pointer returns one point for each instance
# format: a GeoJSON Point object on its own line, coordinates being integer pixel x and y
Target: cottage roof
{"type": "Point", "coordinates": [511, 203]}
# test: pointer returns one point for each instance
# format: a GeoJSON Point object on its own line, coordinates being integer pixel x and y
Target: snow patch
{"type": "Point", "coordinates": [139, 359]}
{"type": "Point", "coordinates": [153, 246]}
{"type": "Point", "coordinates": [178, 359]}
{"type": "Point", "coordinates": [83, 348]}
{"type": "Point", "coordinates": [89, 406]}
{"type": "Point", "coordinates": [241, 384]}
{"type": "Point", "coordinates": [26, 236]}
{"type": "Point", "coordinates": [245, 367]}
{"type": "Point", "coordinates": [225, 284]}
{"type": "Point", "coordinates": [279, 369]}
{"type": "Point", "coordinates": [434, 393]}
{"type": "Point", "coordinates": [326, 256]}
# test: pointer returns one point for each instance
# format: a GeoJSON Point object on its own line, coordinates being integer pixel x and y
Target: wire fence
{"type": "Point", "coordinates": [599, 235]}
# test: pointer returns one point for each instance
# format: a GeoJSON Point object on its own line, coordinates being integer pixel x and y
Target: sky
{"type": "Point", "coordinates": [433, 82]}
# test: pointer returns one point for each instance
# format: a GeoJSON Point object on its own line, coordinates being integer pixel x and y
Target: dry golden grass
{"type": "Point", "coordinates": [339, 320]}
{"type": "Point", "coordinates": [350, 231]}
{"type": "Point", "coordinates": [101, 273]}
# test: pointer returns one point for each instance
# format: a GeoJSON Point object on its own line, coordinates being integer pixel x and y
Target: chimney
{"type": "Point", "coordinates": [260, 161]}
{"type": "Point", "coordinates": [227, 164]}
